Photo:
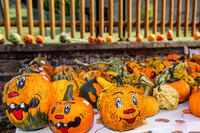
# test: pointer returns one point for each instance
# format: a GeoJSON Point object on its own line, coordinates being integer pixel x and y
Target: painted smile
{"type": "Point", "coordinates": [18, 110]}
{"type": "Point", "coordinates": [130, 121]}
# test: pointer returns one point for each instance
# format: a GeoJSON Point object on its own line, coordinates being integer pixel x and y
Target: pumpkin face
{"type": "Point", "coordinates": [197, 36]}
{"type": "Point", "coordinates": [39, 39]}
{"type": "Point", "coordinates": [28, 39]}
{"type": "Point", "coordinates": [194, 104]}
{"type": "Point", "coordinates": [121, 108]}
{"type": "Point", "coordinates": [91, 39]}
{"type": "Point", "coordinates": [152, 37]}
{"type": "Point", "coordinates": [160, 37]}
{"type": "Point", "coordinates": [26, 100]}
{"type": "Point", "coordinates": [99, 39]}
{"type": "Point", "coordinates": [109, 39]}
{"type": "Point", "coordinates": [139, 38]}
{"type": "Point", "coordinates": [2, 39]}
{"type": "Point", "coordinates": [169, 35]}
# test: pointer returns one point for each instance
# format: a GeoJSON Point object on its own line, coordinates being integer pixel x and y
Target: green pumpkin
{"type": "Point", "coordinates": [15, 38]}
{"type": "Point", "coordinates": [64, 37]}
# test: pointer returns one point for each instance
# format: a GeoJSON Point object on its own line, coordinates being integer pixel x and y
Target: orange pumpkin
{"type": "Point", "coordinates": [197, 36]}
{"type": "Point", "coordinates": [169, 35]}
{"type": "Point", "coordinates": [2, 39]}
{"type": "Point", "coordinates": [182, 88]}
{"type": "Point", "coordinates": [39, 39]}
{"type": "Point", "coordinates": [194, 104]}
{"type": "Point", "coordinates": [71, 115]}
{"type": "Point", "coordinates": [109, 39]}
{"type": "Point", "coordinates": [151, 37]}
{"type": "Point", "coordinates": [99, 39]}
{"type": "Point", "coordinates": [91, 39]}
{"type": "Point", "coordinates": [28, 39]}
{"type": "Point", "coordinates": [172, 57]}
{"type": "Point", "coordinates": [139, 38]}
{"type": "Point", "coordinates": [160, 37]}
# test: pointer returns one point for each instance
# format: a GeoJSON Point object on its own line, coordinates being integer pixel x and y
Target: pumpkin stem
{"type": "Point", "coordinates": [119, 81]}
{"type": "Point", "coordinates": [69, 93]}
{"type": "Point", "coordinates": [146, 92]}
{"type": "Point", "coordinates": [104, 83]}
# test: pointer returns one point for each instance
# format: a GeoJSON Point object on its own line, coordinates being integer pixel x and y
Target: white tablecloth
{"type": "Point", "coordinates": [191, 123]}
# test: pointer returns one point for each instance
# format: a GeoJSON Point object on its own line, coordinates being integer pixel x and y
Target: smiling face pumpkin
{"type": "Point", "coordinates": [26, 100]}
{"type": "Point", "coordinates": [121, 108]}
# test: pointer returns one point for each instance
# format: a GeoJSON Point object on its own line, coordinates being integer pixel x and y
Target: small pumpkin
{"type": "Point", "coordinates": [167, 97]}
{"type": "Point", "coordinates": [2, 39]}
{"type": "Point", "coordinates": [172, 57]}
{"type": "Point", "coordinates": [182, 88]}
{"type": "Point", "coordinates": [39, 39]}
{"type": "Point", "coordinates": [27, 99]}
{"type": "Point", "coordinates": [139, 38]}
{"type": "Point", "coordinates": [194, 104]}
{"type": "Point", "coordinates": [71, 115]}
{"type": "Point", "coordinates": [15, 38]}
{"type": "Point", "coordinates": [91, 39]}
{"type": "Point", "coordinates": [151, 106]}
{"type": "Point", "coordinates": [99, 39]}
{"type": "Point", "coordinates": [170, 34]}
{"type": "Point", "coordinates": [160, 37]}
{"type": "Point", "coordinates": [28, 39]}
{"type": "Point", "coordinates": [121, 108]}
{"type": "Point", "coordinates": [196, 35]}
{"type": "Point", "coordinates": [151, 37]}
{"type": "Point", "coordinates": [109, 39]}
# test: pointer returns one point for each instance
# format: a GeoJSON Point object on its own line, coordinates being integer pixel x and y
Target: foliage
{"type": "Point", "coordinates": [150, 13]}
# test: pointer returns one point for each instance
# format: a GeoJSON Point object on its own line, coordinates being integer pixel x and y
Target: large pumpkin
{"type": "Point", "coordinates": [194, 104]}
{"type": "Point", "coordinates": [121, 108]}
{"type": "Point", "coordinates": [71, 115]}
{"type": "Point", "coordinates": [27, 99]}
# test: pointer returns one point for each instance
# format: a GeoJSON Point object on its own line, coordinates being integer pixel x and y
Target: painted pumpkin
{"type": "Point", "coordinates": [39, 39]}
{"type": "Point", "coordinates": [194, 104]}
{"type": "Point", "coordinates": [139, 38]}
{"type": "Point", "coordinates": [151, 106]}
{"type": "Point", "coordinates": [91, 39]}
{"type": "Point", "coordinates": [170, 35]}
{"type": "Point", "coordinates": [28, 39]}
{"type": "Point", "coordinates": [196, 35]}
{"type": "Point", "coordinates": [27, 99]}
{"type": "Point", "coordinates": [167, 97]}
{"type": "Point", "coordinates": [2, 39]}
{"type": "Point", "coordinates": [109, 39]}
{"type": "Point", "coordinates": [99, 39]}
{"type": "Point", "coordinates": [71, 115]}
{"type": "Point", "coordinates": [15, 38]}
{"type": "Point", "coordinates": [182, 88]}
{"type": "Point", "coordinates": [152, 37]}
{"type": "Point", "coordinates": [121, 108]}
{"type": "Point", "coordinates": [160, 37]}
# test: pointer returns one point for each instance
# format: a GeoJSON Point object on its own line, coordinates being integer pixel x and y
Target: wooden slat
{"type": "Point", "coordinates": [92, 18]}
{"type": "Point", "coordinates": [155, 14]}
{"type": "Point", "coordinates": [163, 16]}
{"type": "Point", "coordinates": [62, 15]}
{"type": "Point", "coordinates": [52, 18]}
{"type": "Point", "coordinates": [30, 16]}
{"type": "Point", "coordinates": [178, 26]}
{"type": "Point", "coordinates": [19, 17]}
{"type": "Point", "coordinates": [146, 31]}
{"type": "Point", "coordinates": [7, 18]}
{"type": "Point", "coordinates": [129, 5]}
{"type": "Point", "coordinates": [73, 19]}
{"type": "Point", "coordinates": [101, 17]}
{"type": "Point", "coordinates": [187, 5]}
{"type": "Point", "coordinates": [120, 19]}
{"type": "Point", "coordinates": [138, 17]}
{"type": "Point", "coordinates": [171, 14]}
{"type": "Point", "coordinates": [82, 18]}
{"type": "Point", "coordinates": [41, 16]}
{"type": "Point", "coordinates": [194, 15]}
{"type": "Point", "coordinates": [111, 17]}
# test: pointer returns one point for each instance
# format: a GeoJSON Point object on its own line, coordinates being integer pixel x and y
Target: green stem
{"type": "Point", "coordinates": [69, 93]}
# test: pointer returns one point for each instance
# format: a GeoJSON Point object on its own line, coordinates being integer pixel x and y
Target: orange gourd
{"type": "Point", "coordinates": [196, 35]}
{"type": "Point", "coordinates": [39, 39]}
{"type": "Point", "coordinates": [109, 39]}
{"type": "Point", "coordinates": [139, 38]}
{"type": "Point", "coordinates": [194, 104]}
{"type": "Point", "coordinates": [28, 39]}
{"type": "Point", "coordinates": [152, 37]}
{"type": "Point", "coordinates": [169, 35]}
{"type": "Point", "coordinates": [2, 39]}
{"type": "Point", "coordinates": [160, 37]}
{"type": "Point", "coordinates": [91, 39]}
{"type": "Point", "coordinates": [99, 39]}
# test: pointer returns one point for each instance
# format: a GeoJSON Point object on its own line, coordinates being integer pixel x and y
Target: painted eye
{"type": "Point", "coordinates": [21, 82]}
{"type": "Point", "coordinates": [53, 109]}
{"type": "Point", "coordinates": [67, 108]}
{"type": "Point", "coordinates": [134, 100]}
{"type": "Point", "coordinates": [118, 102]}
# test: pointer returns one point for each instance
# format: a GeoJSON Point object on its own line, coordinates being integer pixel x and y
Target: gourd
{"type": "Point", "coordinates": [28, 39]}
{"type": "Point", "coordinates": [15, 38]}
{"type": "Point", "coordinates": [194, 104]}
{"type": "Point", "coordinates": [2, 39]}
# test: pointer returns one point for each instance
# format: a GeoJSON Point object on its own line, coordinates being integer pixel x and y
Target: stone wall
{"type": "Point", "coordinates": [13, 57]}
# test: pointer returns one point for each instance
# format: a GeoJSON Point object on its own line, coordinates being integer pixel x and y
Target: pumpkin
{"type": "Point", "coordinates": [109, 39]}
{"type": "Point", "coordinates": [39, 39]}
{"type": "Point", "coordinates": [150, 72]}
{"type": "Point", "coordinates": [170, 34]}
{"type": "Point", "coordinates": [160, 37]}
{"type": "Point", "coordinates": [27, 99]}
{"type": "Point", "coordinates": [151, 106]}
{"type": "Point", "coordinates": [151, 37]}
{"type": "Point", "coordinates": [130, 65]}
{"type": "Point", "coordinates": [99, 39]}
{"type": "Point", "coordinates": [182, 88]}
{"type": "Point", "coordinates": [172, 57]}
{"type": "Point", "coordinates": [15, 38]}
{"type": "Point", "coordinates": [91, 39]}
{"type": "Point", "coordinates": [194, 104]}
{"type": "Point", "coordinates": [71, 115]}
{"type": "Point", "coordinates": [187, 78]}
{"type": "Point", "coordinates": [28, 39]}
{"type": "Point", "coordinates": [121, 108]}
{"type": "Point", "coordinates": [196, 35]}
{"type": "Point", "coordinates": [2, 39]}
{"type": "Point", "coordinates": [167, 97]}
{"type": "Point", "coordinates": [61, 69]}
{"type": "Point", "coordinates": [139, 38]}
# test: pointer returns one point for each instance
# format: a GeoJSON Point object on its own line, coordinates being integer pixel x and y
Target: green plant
{"type": "Point", "coordinates": [150, 13]}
